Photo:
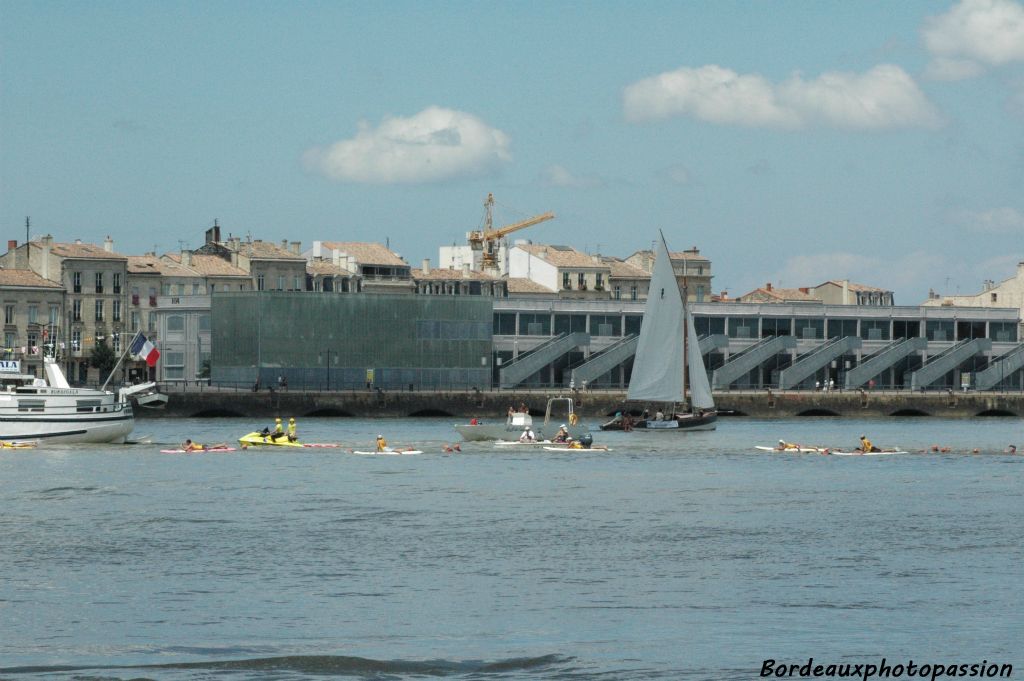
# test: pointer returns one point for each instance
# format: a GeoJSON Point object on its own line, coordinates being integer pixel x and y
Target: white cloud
{"type": "Point", "coordinates": [435, 144]}
{"type": "Point", "coordinates": [884, 97]}
{"type": "Point", "coordinates": [996, 221]}
{"type": "Point", "coordinates": [678, 174]}
{"type": "Point", "coordinates": [559, 176]}
{"type": "Point", "coordinates": [973, 34]}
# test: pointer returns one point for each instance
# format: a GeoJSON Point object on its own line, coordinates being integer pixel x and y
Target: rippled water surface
{"type": "Point", "coordinates": [672, 556]}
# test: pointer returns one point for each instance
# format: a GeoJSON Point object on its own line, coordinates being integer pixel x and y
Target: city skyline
{"type": "Point", "coordinates": [793, 143]}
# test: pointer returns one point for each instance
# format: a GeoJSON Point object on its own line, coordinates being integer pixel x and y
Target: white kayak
{"type": "Point", "coordinates": [388, 452]}
{"type": "Point", "coordinates": [886, 452]}
{"type": "Point", "coordinates": [795, 450]}
{"type": "Point", "coordinates": [516, 443]}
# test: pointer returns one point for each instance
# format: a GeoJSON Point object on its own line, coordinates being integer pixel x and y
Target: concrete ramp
{"type": "Point", "coordinates": [1000, 369]}
{"type": "Point", "coordinates": [526, 365]}
{"type": "Point", "coordinates": [946, 361]}
{"type": "Point", "coordinates": [808, 364]}
{"type": "Point", "coordinates": [599, 365]}
{"type": "Point", "coordinates": [741, 364]}
{"type": "Point", "coordinates": [882, 360]}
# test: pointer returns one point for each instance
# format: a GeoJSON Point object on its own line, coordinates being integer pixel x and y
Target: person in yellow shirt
{"type": "Point", "coordinates": [292, 430]}
{"type": "Point", "coordinates": [382, 444]}
{"type": "Point", "coordinates": [866, 446]}
{"type": "Point", "coordinates": [278, 429]}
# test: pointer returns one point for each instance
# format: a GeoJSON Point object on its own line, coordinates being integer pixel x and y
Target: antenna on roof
{"type": "Point", "coordinates": [27, 219]}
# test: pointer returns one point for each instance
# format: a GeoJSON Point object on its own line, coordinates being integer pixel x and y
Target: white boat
{"type": "Point", "coordinates": [667, 353]}
{"type": "Point", "coordinates": [559, 412]}
{"type": "Point", "coordinates": [146, 395]}
{"type": "Point", "coordinates": [50, 410]}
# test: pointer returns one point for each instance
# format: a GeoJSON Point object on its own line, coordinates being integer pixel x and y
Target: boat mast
{"type": "Point", "coordinates": [686, 311]}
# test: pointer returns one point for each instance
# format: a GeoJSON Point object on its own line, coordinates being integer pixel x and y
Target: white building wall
{"type": "Point", "coordinates": [525, 265]}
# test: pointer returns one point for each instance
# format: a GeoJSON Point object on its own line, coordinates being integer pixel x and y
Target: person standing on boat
{"type": "Point", "coordinates": [292, 430]}
{"type": "Point", "coordinates": [278, 429]}
{"type": "Point", "coordinates": [382, 444]}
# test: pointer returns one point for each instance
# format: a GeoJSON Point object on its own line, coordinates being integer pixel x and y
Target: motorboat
{"type": "Point", "coordinates": [261, 439]}
{"type": "Point", "coordinates": [50, 410]}
{"type": "Point", "coordinates": [559, 411]}
{"type": "Point", "coordinates": [146, 395]}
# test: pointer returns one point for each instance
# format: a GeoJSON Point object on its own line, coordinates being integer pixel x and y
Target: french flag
{"type": "Point", "coordinates": [143, 348]}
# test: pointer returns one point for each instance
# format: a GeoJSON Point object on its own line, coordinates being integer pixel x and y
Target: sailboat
{"type": "Point", "coordinates": [667, 354]}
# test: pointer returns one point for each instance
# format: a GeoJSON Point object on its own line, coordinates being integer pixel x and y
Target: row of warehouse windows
{"type": "Point", "coordinates": [547, 324]}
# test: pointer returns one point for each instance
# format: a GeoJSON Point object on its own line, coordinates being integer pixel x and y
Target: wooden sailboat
{"type": "Point", "coordinates": [667, 354]}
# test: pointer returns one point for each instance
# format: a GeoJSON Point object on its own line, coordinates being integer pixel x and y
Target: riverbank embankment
{"type": "Point", "coordinates": [210, 401]}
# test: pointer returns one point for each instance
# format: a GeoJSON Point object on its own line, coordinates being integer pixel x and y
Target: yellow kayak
{"type": "Point", "coordinates": [17, 444]}
{"type": "Point", "coordinates": [260, 440]}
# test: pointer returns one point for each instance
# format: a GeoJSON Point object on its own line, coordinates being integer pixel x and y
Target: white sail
{"type": "Point", "coordinates": [700, 388]}
{"type": "Point", "coordinates": [658, 365]}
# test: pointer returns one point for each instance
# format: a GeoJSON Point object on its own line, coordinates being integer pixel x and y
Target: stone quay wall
{"type": "Point", "coordinates": [598, 404]}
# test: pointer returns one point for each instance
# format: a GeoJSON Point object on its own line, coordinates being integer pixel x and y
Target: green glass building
{"type": "Point", "coordinates": [334, 342]}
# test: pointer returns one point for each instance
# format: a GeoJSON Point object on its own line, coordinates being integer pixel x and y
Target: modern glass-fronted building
{"type": "Point", "coordinates": [313, 341]}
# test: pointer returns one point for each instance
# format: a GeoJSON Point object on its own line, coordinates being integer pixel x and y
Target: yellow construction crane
{"type": "Point", "coordinates": [487, 239]}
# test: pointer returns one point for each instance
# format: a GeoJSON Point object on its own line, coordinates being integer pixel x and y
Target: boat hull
{"type": "Point", "coordinates": [112, 427]}
{"type": "Point", "coordinates": [499, 431]}
{"type": "Point", "coordinates": [685, 423]}
{"type": "Point", "coordinates": [258, 440]}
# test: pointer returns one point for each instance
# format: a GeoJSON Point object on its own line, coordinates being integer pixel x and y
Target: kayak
{"type": "Point", "coordinates": [600, 448]}
{"type": "Point", "coordinates": [795, 450]}
{"type": "Point", "coordinates": [388, 452]}
{"type": "Point", "coordinates": [882, 453]}
{"type": "Point", "coordinates": [260, 440]}
{"type": "Point", "coordinates": [516, 443]}
{"type": "Point", "coordinates": [17, 444]}
{"type": "Point", "coordinates": [197, 451]}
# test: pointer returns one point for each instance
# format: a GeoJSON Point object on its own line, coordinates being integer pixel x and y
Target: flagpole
{"type": "Point", "coordinates": [120, 359]}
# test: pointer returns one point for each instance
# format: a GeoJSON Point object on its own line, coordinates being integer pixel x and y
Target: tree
{"type": "Point", "coordinates": [103, 358]}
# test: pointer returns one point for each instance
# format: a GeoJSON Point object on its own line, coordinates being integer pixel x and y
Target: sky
{"type": "Point", "coordinates": [792, 142]}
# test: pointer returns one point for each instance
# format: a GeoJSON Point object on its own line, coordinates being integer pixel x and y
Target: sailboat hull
{"type": "Point", "coordinates": [682, 422]}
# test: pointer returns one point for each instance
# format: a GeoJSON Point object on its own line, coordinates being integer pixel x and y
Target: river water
{"type": "Point", "coordinates": [670, 557]}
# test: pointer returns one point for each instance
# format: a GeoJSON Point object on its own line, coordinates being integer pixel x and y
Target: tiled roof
{"type": "Point", "coordinates": [673, 255]}
{"type": "Point", "coordinates": [326, 267]}
{"type": "Point", "coordinates": [562, 256]}
{"type": "Point", "coordinates": [524, 285]}
{"type": "Point", "coordinates": [26, 278]}
{"type": "Point", "coordinates": [366, 253]}
{"type": "Point", "coordinates": [779, 295]}
{"type": "Point", "coordinates": [150, 264]}
{"type": "Point", "coordinates": [451, 275]}
{"type": "Point", "coordinates": [77, 250]}
{"type": "Point", "coordinates": [209, 265]}
{"type": "Point", "coordinates": [623, 270]}
{"type": "Point", "coordinates": [258, 249]}
{"type": "Point", "coordinates": [851, 286]}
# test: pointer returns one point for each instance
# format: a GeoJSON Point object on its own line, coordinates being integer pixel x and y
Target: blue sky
{"type": "Point", "coordinates": [792, 142]}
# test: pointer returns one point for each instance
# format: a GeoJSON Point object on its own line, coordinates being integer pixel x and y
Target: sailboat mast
{"type": "Point", "coordinates": [686, 311]}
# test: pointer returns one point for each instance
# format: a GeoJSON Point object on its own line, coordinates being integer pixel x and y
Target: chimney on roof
{"type": "Point", "coordinates": [426, 266]}
{"type": "Point", "coordinates": [805, 289]}
{"type": "Point", "coordinates": [186, 257]}
{"type": "Point", "coordinates": [12, 244]}
{"type": "Point", "coordinates": [78, 242]}
{"type": "Point", "coordinates": [284, 244]}
{"type": "Point", "coordinates": [47, 242]}
{"type": "Point", "coordinates": [297, 247]}
{"type": "Point", "coordinates": [108, 244]}
{"type": "Point", "coordinates": [213, 234]}
{"type": "Point", "coordinates": [768, 286]}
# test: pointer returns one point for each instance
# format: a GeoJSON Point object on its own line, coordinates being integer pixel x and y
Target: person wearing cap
{"type": "Point", "coordinates": [562, 435]}
{"type": "Point", "coordinates": [292, 430]}
{"type": "Point", "coordinates": [278, 429]}
{"type": "Point", "coordinates": [787, 445]}
{"type": "Point", "coordinates": [382, 444]}
{"type": "Point", "coordinates": [866, 446]}
{"type": "Point", "coordinates": [527, 435]}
